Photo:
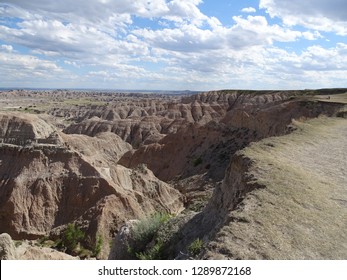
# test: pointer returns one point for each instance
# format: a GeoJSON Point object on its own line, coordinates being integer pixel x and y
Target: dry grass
{"type": "Point", "coordinates": [302, 211]}
{"type": "Point", "coordinates": [338, 98]}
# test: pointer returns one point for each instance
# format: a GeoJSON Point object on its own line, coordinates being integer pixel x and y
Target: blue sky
{"type": "Point", "coordinates": [173, 44]}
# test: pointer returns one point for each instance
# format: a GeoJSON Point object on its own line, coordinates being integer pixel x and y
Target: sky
{"type": "Point", "coordinates": [173, 44]}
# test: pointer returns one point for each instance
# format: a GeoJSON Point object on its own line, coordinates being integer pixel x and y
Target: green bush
{"type": "Point", "coordinates": [98, 246]}
{"type": "Point", "coordinates": [70, 238]}
{"type": "Point", "coordinates": [195, 247]}
{"type": "Point", "coordinates": [153, 253]}
{"type": "Point", "coordinates": [145, 230]}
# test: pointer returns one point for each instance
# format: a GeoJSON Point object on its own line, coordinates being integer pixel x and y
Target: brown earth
{"type": "Point", "coordinates": [46, 186]}
{"type": "Point", "coordinates": [99, 160]}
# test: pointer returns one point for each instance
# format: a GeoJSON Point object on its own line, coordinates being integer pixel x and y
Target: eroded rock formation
{"type": "Point", "coordinates": [115, 158]}
{"type": "Point", "coordinates": [44, 187]}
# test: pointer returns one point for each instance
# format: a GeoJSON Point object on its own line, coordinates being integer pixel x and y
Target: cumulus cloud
{"type": "Point", "coordinates": [183, 48]}
{"type": "Point", "coordinates": [248, 10]}
{"type": "Point", "coordinates": [86, 43]}
{"type": "Point", "coordinates": [323, 15]}
{"type": "Point", "coordinates": [105, 13]}
{"type": "Point", "coordinates": [7, 48]}
{"type": "Point", "coordinates": [247, 32]}
{"type": "Point", "coordinates": [17, 66]}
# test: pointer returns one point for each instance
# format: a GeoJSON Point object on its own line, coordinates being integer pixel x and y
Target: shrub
{"type": "Point", "coordinates": [144, 233]}
{"type": "Point", "coordinates": [17, 243]}
{"type": "Point", "coordinates": [195, 247]}
{"type": "Point", "coordinates": [145, 230]}
{"type": "Point", "coordinates": [98, 246]}
{"type": "Point", "coordinates": [153, 253]}
{"type": "Point", "coordinates": [70, 238]}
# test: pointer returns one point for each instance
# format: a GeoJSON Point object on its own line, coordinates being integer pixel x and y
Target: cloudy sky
{"type": "Point", "coordinates": [173, 44]}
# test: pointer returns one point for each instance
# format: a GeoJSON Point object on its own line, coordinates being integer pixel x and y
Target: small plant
{"type": "Point", "coordinates": [98, 246]}
{"type": "Point", "coordinates": [144, 233]}
{"type": "Point", "coordinates": [154, 253]}
{"type": "Point", "coordinates": [195, 247]}
{"type": "Point", "coordinates": [145, 230]}
{"type": "Point", "coordinates": [17, 243]}
{"type": "Point", "coordinates": [42, 240]}
{"type": "Point", "coordinates": [70, 238]}
{"type": "Point", "coordinates": [84, 253]}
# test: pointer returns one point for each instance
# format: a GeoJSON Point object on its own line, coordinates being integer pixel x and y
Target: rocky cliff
{"type": "Point", "coordinates": [44, 187]}
{"type": "Point", "coordinates": [277, 201]}
{"type": "Point", "coordinates": [100, 160]}
{"type": "Point", "coordinates": [199, 149]}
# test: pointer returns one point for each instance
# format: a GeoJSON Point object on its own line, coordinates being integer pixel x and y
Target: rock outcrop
{"type": "Point", "coordinates": [45, 187]}
{"type": "Point", "coordinates": [7, 248]}
{"type": "Point", "coordinates": [98, 160]}
{"type": "Point", "coordinates": [27, 250]}
{"type": "Point", "coordinates": [19, 130]}
{"type": "Point", "coordinates": [198, 149]}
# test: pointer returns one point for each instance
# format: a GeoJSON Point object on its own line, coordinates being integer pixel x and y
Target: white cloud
{"type": "Point", "coordinates": [183, 10]}
{"type": "Point", "coordinates": [184, 49]}
{"type": "Point", "coordinates": [247, 32]}
{"type": "Point", "coordinates": [15, 66]}
{"type": "Point", "coordinates": [255, 30]}
{"type": "Point", "coordinates": [73, 63]}
{"type": "Point", "coordinates": [107, 14]}
{"type": "Point", "coordinates": [72, 41]}
{"type": "Point", "coordinates": [7, 48]}
{"type": "Point", "coordinates": [322, 15]}
{"type": "Point", "coordinates": [248, 10]}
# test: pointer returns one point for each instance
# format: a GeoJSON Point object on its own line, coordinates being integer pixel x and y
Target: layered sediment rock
{"type": "Point", "coordinates": [118, 158]}
{"type": "Point", "coordinates": [45, 187]}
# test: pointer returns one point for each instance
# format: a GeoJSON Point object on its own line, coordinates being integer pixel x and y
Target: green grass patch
{"type": "Point", "coordinates": [195, 247]}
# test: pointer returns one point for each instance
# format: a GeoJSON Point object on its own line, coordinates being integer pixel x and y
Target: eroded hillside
{"type": "Point", "coordinates": [294, 197]}
{"type": "Point", "coordinates": [98, 160]}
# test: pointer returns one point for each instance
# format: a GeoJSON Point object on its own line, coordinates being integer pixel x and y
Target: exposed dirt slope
{"type": "Point", "coordinates": [43, 187]}
{"type": "Point", "coordinates": [146, 121]}
{"type": "Point", "coordinates": [294, 191]}
{"type": "Point", "coordinates": [198, 149]}
{"type": "Point", "coordinates": [84, 162]}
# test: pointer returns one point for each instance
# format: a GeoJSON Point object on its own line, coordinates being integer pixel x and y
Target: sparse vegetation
{"type": "Point", "coordinates": [17, 243]}
{"type": "Point", "coordinates": [145, 232]}
{"type": "Point", "coordinates": [98, 246]}
{"type": "Point", "coordinates": [71, 237]}
{"type": "Point", "coordinates": [195, 247]}
{"type": "Point", "coordinates": [303, 173]}
{"type": "Point", "coordinates": [153, 253]}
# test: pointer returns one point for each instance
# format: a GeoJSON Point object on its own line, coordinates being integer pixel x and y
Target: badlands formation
{"type": "Point", "coordinates": [224, 174]}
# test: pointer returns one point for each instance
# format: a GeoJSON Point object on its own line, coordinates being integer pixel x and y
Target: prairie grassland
{"type": "Point", "coordinates": [338, 98]}
{"type": "Point", "coordinates": [301, 213]}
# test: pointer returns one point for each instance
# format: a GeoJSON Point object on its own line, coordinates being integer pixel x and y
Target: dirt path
{"type": "Point", "coordinates": [302, 211]}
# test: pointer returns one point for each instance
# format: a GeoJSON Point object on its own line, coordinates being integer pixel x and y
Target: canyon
{"type": "Point", "coordinates": [105, 161]}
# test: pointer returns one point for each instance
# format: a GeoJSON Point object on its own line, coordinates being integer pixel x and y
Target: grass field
{"type": "Point", "coordinates": [338, 98]}
{"type": "Point", "coordinates": [301, 213]}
